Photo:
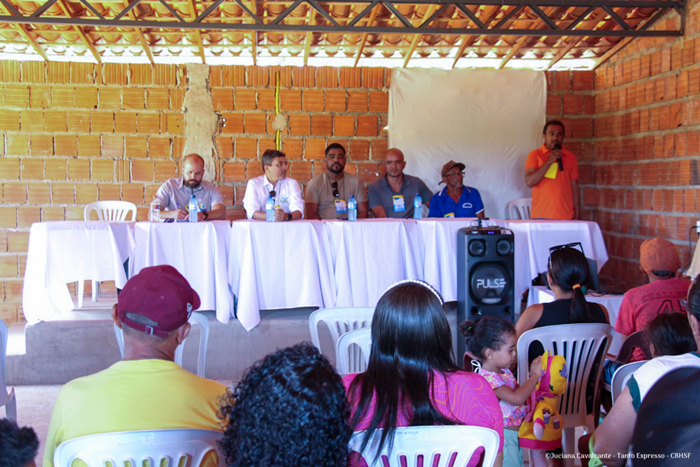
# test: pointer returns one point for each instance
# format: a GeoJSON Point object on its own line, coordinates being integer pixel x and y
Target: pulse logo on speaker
{"type": "Point", "coordinates": [491, 283]}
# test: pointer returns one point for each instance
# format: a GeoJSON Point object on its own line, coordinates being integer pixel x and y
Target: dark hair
{"type": "Point", "coordinates": [694, 298]}
{"type": "Point", "coordinates": [487, 333]}
{"type": "Point", "coordinates": [555, 123]}
{"type": "Point", "coordinates": [671, 334]}
{"type": "Point", "coordinates": [568, 268]}
{"type": "Point", "coordinates": [269, 155]}
{"type": "Point", "coordinates": [335, 146]}
{"type": "Point", "coordinates": [411, 339]}
{"type": "Point", "coordinates": [289, 410]}
{"type": "Point", "coordinates": [18, 446]}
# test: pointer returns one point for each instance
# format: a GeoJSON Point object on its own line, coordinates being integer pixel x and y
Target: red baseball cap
{"type": "Point", "coordinates": [162, 295]}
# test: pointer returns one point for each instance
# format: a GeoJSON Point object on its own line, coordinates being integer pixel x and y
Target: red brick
{"type": "Point", "coordinates": [233, 123]}
{"type": "Point", "coordinates": [583, 80]}
{"type": "Point", "coordinates": [266, 99]}
{"type": "Point", "coordinates": [246, 148]}
{"type": "Point", "coordinates": [136, 147]}
{"type": "Point", "coordinates": [14, 193]}
{"type": "Point", "coordinates": [300, 171]}
{"type": "Point", "coordinates": [255, 123]}
{"type": "Point", "coordinates": [222, 99]}
{"type": "Point", "coordinates": [299, 124]}
{"type": "Point", "coordinates": [234, 172]}
{"type": "Point", "coordinates": [245, 99]}
{"type": "Point", "coordinates": [32, 169]}
{"type": "Point", "coordinates": [321, 125]}
{"type": "Point", "coordinates": [290, 99]}
{"type": "Point", "coordinates": [314, 148]}
{"type": "Point", "coordinates": [312, 100]}
{"type": "Point", "coordinates": [41, 145]}
{"type": "Point", "coordinates": [378, 101]}
{"type": "Point", "coordinates": [158, 99]}
{"type": "Point", "coordinates": [293, 148]}
{"type": "Point", "coordinates": [368, 125]}
{"type": "Point", "coordinates": [165, 169]}
{"type": "Point", "coordinates": [358, 150]}
{"type": "Point", "coordinates": [358, 101]}
{"type": "Point", "coordinates": [554, 106]}
{"type": "Point", "coordinates": [335, 101]}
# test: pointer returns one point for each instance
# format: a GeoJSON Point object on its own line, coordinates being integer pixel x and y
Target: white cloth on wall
{"type": "Point", "coordinates": [488, 119]}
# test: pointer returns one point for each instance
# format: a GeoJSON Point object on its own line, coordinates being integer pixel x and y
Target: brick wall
{"type": "Point", "coordinates": [643, 178]}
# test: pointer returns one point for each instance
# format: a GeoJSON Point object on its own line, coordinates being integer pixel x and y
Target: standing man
{"type": "Point", "coordinates": [393, 195]}
{"type": "Point", "coordinates": [456, 199]}
{"type": "Point", "coordinates": [327, 194]}
{"type": "Point", "coordinates": [289, 205]}
{"type": "Point", "coordinates": [146, 390]}
{"type": "Point", "coordinates": [174, 195]}
{"type": "Point", "coordinates": [552, 173]}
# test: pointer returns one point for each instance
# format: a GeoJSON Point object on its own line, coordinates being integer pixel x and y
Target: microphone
{"type": "Point", "coordinates": [557, 146]}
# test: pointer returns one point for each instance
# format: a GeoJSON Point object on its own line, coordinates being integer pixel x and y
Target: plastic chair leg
{"type": "Point", "coordinates": [81, 292]}
{"type": "Point", "coordinates": [11, 407]}
{"type": "Point", "coordinates": [94, 291]}
{"type": "Point", "coordinates": [567, 444]}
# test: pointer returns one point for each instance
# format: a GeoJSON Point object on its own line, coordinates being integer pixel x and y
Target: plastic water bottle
{"type": "Point", "coordinates": [270, 209]}
{"type": "Point", "coordinates": [352, 209]}
{"type": "Point", "coordinates": [417, 207]}
{"type": "Point", "coordinates": [193, 207]}
{"type": "Point", "coordinates": [155, 211]}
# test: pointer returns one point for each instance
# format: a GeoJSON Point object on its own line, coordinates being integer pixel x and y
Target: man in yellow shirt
{"type": "Point", "coordinates": [147, 390]}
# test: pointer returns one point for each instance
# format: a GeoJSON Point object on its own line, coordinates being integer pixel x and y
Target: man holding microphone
{"type": "Point", "coordinates": [552, 173]}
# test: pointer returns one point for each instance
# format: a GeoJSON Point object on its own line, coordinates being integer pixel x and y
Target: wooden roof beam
{"type": "Point", "coordinates": [141, 36]}
{"type": "Point", "coordinates": [489, 13]}
{"type": "Point", "coordinates": [309, 36]}
{"type": "Point", "coordinates": [24, 32]}
{"type": "Point", "coordinates": [365, 35]}
{"type": "Point", "coordinates": [417, 38]}
{"type": "Point", "coordinates": [198, 33]}
{"type": "Point", "coordinates": [81, 33]}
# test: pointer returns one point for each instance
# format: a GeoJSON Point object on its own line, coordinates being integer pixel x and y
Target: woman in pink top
{"type": "Point", "coordinates": [411, 378]}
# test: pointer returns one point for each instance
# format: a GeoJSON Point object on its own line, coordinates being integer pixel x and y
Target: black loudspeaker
{"type": "Point", "coordinates": [485, 282]}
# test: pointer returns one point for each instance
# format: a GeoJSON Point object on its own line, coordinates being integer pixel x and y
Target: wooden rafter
{"type": "Point", "coordinates": [489, 13]}
{"type": "Point", "coordinates": [513, 50]}
{"type": "Point", "coordinates": [417, 37]}
{"type": "Point", "coordinates": [254, 34]}
{"type": "Point", "coordinates": [309, 37]}
{"type": "Point", "coordinates": [81, 33]}
{"type": "Point", "coordinates": [24, 32]}
{"type": "Point", "coordinates": [141, 36]}
{"type": "Point", "coordinates": [365, 35]}
{"type": "Point", "coordinates": [198, 33]}
{"type": "Point", "coordinates": [562, 53]}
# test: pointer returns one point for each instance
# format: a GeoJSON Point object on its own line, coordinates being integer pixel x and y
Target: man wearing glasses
{"type": "Point", "coordinates": [456, 199]}
{"type": "Point", "coordinates": [394, 195]}
{"type": "Point", "coordinates": [327, 194]}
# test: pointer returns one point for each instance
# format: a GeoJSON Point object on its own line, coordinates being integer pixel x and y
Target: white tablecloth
{"type": "Point", "coordinates": [534, 238]}
{"type": "Point", "coordinates": [541, 294]}
{"type": "Point", "coordinates": [198, 250]}
{"type": "Point", "coordinates": [370, 255]}
{"type": "Point", "coordinates": [68, 251]}
{"type": "Point", "coordinates": [279, 265]}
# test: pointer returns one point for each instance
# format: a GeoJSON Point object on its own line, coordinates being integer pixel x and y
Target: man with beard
{"type": "Point", "coordinates": [393, 195]}
{"type": "Point", "coordinates": [174, 195]}
{"type": "Point", "coordinates": [327, 194]}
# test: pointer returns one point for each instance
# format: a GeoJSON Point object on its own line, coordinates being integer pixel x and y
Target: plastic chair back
{"type": "Point", "coordinates": [621, 376]}
{"type": "Point", "coordinates": [339, 321]}
{"type": "Point", "coordinates": [635, 340]}
{"type": "Point", "coordinates": [161, 448]}
{"type": "Point", "coordinates": [432, 446]}
{"type": "Point", "coordinates": [195, 319]}
{"type": "Point", "coordinates": [7, 398]}
{"type": "Point", "coordinates": [111, 210]}
{"type": "Point", "coordinates": [519, 209]}
{"type": "Point", "coordinates": [352, 351]}
{"type": "Point", "coordinates": [583, 345]}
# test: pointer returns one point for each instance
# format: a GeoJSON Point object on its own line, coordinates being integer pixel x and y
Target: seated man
{"type": "Point", "coordinates": [174, 195]}
{"type": "Point", "coordinates": [147, 390]}
{"type": "Point", "coordinates": [393, 195]}
{"type": "Point", "coordinates": [659, 261]}
{"type": "Point", "coordinates": [327, 194]}
{"type": "Point", "coordinates": [18, 446]}
{"type": "Point", "coordinates": [288, 411]}
{"type": "Point", "coordinates": [612, 438]}
{"type": "Point", "coordinates": [289, 205]}
{"type": "Point", "coordinates": [456, 199]}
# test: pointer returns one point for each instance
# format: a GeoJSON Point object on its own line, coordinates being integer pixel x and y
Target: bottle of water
{"type": "Point", "coordinates": [270, 209]}
{"type": "Point", "coordinates": [417, 206]}
{"type": "Point", "coordinates": [155, 210]}
{"type": "Point", "coordinates": [193, 207]}
{"type": "Point", "coordinates": [352, 209]}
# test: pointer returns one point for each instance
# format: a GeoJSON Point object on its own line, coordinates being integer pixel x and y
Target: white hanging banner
{"type": "Point", "coordinates": [487, 119]}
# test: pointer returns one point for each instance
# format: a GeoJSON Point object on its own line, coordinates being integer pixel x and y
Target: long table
{"type": "Point", "coordinates": [291, 264]}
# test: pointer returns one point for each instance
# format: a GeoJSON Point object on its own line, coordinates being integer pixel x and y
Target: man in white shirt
{"type": "Point", "coordinates": [289, 204]}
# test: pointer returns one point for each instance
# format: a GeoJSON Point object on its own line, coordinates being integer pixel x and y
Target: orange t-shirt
{"type": "Point", "coordinates": [553, 198]}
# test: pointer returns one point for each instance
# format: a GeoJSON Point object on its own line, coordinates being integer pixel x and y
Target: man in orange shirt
{"type": "Point", "coordinates": [552, 173]}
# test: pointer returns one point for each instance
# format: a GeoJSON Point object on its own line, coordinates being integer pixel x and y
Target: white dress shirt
{"type": "Point", "coordinates": [288, 195]}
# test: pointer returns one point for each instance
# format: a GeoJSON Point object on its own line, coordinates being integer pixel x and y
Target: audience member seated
{"type": "Point", "coordinates": [288, 411]}
{"type": "Point", "coordinates": [670, 334]}
{"type": "Point", "coordinates": [18, 446]}
{"type": "Point", "coordinates": [147, 390]}
{"type": "Point", "coordinates": [659, 261]}
{"type": "Point", "coordinates": [327, 194]}
{"type": "Point", "coordinates": [174, 195]}
{"type": "Point", "coordinates": [568, 269]}
{"type": "Point", "coordinates": [411, 377]}
{"type": "Point", "coordinates": [285, 191]}
{"type": "Point", "coordinates": [664, 427]}
{"type": "Point", "coordinates": [612, 438]}
{"type": "Point", "coordinates": [394, 194]}
{"type": "Point", "coordinates": [456, 199]}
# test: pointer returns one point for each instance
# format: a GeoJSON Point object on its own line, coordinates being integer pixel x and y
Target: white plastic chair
{"type": "Point", "coordinates": [581, 345]}
{"type": "Point", "coordinates": [112, 211]}
{"type": "Point", "coordinates": [352, 351]}
{"type": "Point", "coordinates": [621, 376]}
{"type": "Point", "coordinates": [339, 321]}
{"type": "Point", "coordinates": [7, 398]}
{"type": "Point", "coordinates": [519, 209]}
{"type": "Point", "coordinates": [436, 444]}
{"type": "Point", "coordinates": [162, 448]}
{"type": "Point", "coordinates": [195, 319]}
